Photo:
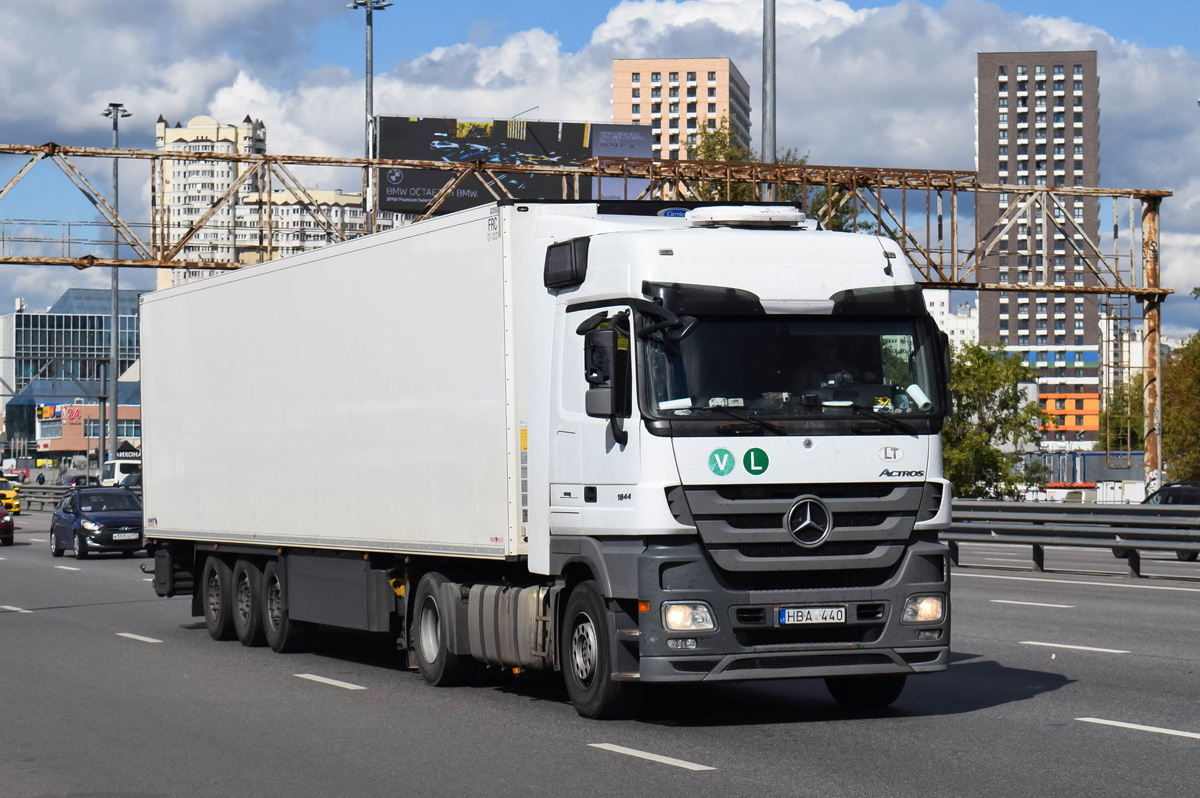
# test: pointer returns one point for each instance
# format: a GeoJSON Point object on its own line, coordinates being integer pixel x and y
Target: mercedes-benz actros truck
{"type": "Point", "coordinates": [634, 443]}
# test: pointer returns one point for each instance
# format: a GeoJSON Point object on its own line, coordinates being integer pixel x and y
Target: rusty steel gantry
{"type": "Point", "coordinates": [930, 213]}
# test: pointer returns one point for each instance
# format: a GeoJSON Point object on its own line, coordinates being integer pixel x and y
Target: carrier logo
{"type": "Point", "coordinates": [808, 521]}
{"type": "Point", "coordinates": [886, 473]}
{"type": "Point", "coordinates": [891, 453]}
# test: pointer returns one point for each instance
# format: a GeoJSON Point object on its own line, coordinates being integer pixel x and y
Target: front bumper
{"type": "Point", "coordinates": [750, 643]}
{"type": "Point", "coordinates": [103, 541]}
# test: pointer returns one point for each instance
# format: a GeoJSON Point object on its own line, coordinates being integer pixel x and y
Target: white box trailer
{"type": "Point", "coordinates": [630, 442]}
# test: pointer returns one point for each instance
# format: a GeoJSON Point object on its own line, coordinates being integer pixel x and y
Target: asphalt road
{"type": "Point", "coordinates": [1062, 684]}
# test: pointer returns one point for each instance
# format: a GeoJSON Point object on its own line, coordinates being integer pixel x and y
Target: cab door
{"type": "Point", "coordinates": [609, 445]}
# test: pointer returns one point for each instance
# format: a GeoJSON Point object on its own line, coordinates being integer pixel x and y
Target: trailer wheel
{"type": "Point", "coordinates": [587, 658]}
{"type": "Point", "coordinates": [217, 598]}
{"type": "Point", "coordinates": [431, 637]}
{"type": "Point", "coordinates": [247, 603]}
{"type": "Point", "coordinates": [282, 633]}
{"type": "Point", "coordinates": [866, 691]}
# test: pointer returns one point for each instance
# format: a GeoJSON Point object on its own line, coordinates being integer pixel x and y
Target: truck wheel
{"type": "Point", "coordinates": [587, 659]}
{"type": "Point", "coordinates": [431, 637]}
{"type": "Point", "coordinates": [282, 633]}
{"type": "Point", "coordinates": [1187, 556]}
{"type": "Point", "coordinates": [866, 691]}
{"type": "Point", "coordinates": [80, 548]}
{"type": "Point", "coordinates": [218, 599]}
{"type": "Point", "coordinates": [55, 550]}
{"type": "Point", "coordinates": [247, 603]}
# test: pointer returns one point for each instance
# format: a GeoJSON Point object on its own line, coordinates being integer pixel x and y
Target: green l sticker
{"type": "Point", "coordinates": [756, 461]}
{"type": "Point", "coordinates": [721, 461]}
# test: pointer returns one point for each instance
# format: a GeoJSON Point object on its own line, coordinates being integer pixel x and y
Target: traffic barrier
{"type": "Point", "coordinates": [1128, 528]}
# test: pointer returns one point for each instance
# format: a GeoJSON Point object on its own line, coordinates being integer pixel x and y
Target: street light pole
{"type": "Point", "coordinates": [117, 112]}
{"type": "Point", "coordinates": [369, 200]}
{"type": "Point", "coordinates": [768, 146]}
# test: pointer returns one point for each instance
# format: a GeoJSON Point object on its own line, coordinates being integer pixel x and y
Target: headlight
{"type": "Point", "coordinates": [688, 616]}
{"type": "Point", "coordinates": [90, 526]}
{"type": "Point", "coordinates": [924, 609]}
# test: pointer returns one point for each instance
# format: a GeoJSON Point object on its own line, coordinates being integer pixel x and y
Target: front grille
{"type": "Point", "coordinates": [808, 635]}
{"type": "Point", "coordinates": [834, 579]}
{"type": "Point", "coordinates": [818, 661]}
{"type": "Point", "coordinates": [793, 550]}
{"type": "Point", "coordinates": [845, 490]}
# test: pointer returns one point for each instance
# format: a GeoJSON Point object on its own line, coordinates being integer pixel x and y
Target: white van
{"type": "Point", "coordinates": [115, 471]}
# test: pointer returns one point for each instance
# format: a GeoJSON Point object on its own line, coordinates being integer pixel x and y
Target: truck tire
{"type": "Point", "coordinates": [866, 691]}
{"type": "Point", "coordinates": [283, 635]}
{"type": "Point", "coordinates": [586, 658]}
{"type": "Point", "coordinates": [431, 637]}
{"type": "Point", "coordinates": [247, 603]}
{"type": "Point", "coordinates": [217, 598]}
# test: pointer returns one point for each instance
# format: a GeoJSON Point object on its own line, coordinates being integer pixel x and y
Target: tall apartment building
{"type": "Point", "coordinates": [678, 97]}
{"type": "Point", "coordinates": [239, 229]}
{"type": "Point", "coordinates": [959, 320]}
{"type": "Point", "coordinates": [1038, 124]}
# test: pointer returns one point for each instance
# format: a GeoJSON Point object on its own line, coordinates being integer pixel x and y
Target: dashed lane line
{"type": "Point", "coordinates": [8, 608]}
{"type": "Point", "coordinates": [132, 636]}
{"type": "Point", "coordinates": [1137, 727]}
{"type": "Point", "coordinates": [1034, 604]}
{"type": "Point", "coordinates": [662, 760]}
{"type": "Point", "coordinates": [334, 682]}
{"type": "Point", "coordinates": [962, 575]}
{"type": "Point", "coordinates": [67, 568]}
{"type": "Point", "coordinates": [1074, 648]}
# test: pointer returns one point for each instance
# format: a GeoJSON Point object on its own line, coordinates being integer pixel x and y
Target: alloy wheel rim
{"type": "Point", "coordinates": [583, 650]}
{"type": "Point", "coordinates": [430, 641]}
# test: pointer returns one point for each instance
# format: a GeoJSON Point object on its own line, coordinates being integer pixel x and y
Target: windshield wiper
{"type": "Point", "coordinates": [863, 410]}
{"type": "Point", "coordinates": [741, 417]}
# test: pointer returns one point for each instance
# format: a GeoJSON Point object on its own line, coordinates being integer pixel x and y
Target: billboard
{"type": "Point", "coordinates": [499, 142]}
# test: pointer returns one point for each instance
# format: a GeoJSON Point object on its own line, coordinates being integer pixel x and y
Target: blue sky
{"type": "Point", "coordinates": [871, 84]}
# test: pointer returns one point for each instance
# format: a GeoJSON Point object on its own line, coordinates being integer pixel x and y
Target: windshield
{"type": "Point", "coordinates": [97, 502]}
{"type": "Point", "coordinates": [782, 367]}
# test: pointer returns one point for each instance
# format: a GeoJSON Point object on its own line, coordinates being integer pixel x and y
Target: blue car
{"type": "Point", "coordinates": [95, 520]}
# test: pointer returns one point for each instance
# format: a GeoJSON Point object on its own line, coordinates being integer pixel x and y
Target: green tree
{"type": "Point", "coordinates": [833, 207]}
{"type": "Point", "coordinates": [991, 422]}
{"type": "Point", "coordinates": [1180, 418]}
{"type": "Point", "coordinates": [1122, 424]}
{"type": "Point", "coordinates": [718, 145]}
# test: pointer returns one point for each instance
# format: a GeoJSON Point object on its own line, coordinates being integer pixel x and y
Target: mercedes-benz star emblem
{"type": "Point", "coordinates": [808, 521]}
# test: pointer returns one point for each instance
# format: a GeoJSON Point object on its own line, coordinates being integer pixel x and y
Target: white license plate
{"type": "Point", "coordinates": [125, 536]}
{"type": "Point", "coordinates": [806, 615]}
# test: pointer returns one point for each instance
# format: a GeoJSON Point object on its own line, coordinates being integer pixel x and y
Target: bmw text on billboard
{"type": "Point", "coordinates": [499, 142]}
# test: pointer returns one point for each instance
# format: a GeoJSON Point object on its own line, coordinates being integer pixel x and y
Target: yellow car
{"type": "Point", "coordinates": [8, 494]}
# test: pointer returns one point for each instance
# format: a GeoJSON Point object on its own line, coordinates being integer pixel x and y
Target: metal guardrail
{"type": "Point", "coordinates": [41, 495]}
{"type": "Point", "coordinates": [1128, 528]}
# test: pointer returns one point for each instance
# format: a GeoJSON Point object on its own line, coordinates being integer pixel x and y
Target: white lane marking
{"type": "Point", "coordinates": [1035, 604]}
{"type": "Point", "coordinates": [1075, 648]}
{"type": "Point", "coordinates": [148, 578]}
{"type": "Point", "coordinates": [132, 636]}
{"type": "Point", "coordinates": [67, 568]}
{"type": "Point", "coordinates": [13, 609]}
{"type": "Point", "coordinates": [1136, 727]}
{"type": "Point", "coordinates": [958, 574]}
{"type": "Point", "coordinates": [664, 760]}
{"type": "Point", "coordinates": [334, 682]}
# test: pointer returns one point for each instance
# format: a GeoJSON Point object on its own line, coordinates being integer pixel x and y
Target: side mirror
{"type": "Point", "coordinates": [599, 368]}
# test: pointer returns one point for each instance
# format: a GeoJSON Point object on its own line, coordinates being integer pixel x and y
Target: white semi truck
{"type": "Point", "coordinates": [633, 443]}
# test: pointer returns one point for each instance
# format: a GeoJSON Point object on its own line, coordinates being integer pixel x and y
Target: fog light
{"type": "Point", "coordinates": [923, 609]}
{"type": "Point", "coordinates": [681, 643]}
{"type": "Point", "coordinates": [691, 616]}
{"type": "Point", "coordinates": [929, 634]}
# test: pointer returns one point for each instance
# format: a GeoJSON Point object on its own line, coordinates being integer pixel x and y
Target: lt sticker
{"type": "Point", "coordinates": [756, 461]}
{"type": "Point", "coordinates": [720, 462]}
